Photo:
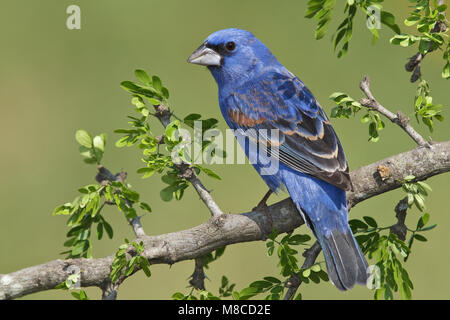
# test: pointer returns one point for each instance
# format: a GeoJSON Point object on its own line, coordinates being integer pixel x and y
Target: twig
{"type": "Point", "coordinates": [205, 196]}
{"type": "Point", "coordinates": [186, 172]}
{"type": "Point", "coordinates": [105, 175]}
{"type": "Point", "coordinates": [189, 174]}
{"type": "Point", "coordinates": [198, 277]}
{"type": "Point", "coordinates": [109, 290]}
{"type": "Point", "coordinates": [294, 281]}
{"type": "Point", "coordinates": [413, 64]}
{"type": "Point", "coordinates": [400, 119]}
{"type": "Point", "coordinates": [162, 112]}
{"type": "Point", "coordinates": [400, 228]}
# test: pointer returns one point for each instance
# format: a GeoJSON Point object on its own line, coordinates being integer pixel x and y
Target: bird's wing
{"type": "Point", "coordinates": [307, 142]}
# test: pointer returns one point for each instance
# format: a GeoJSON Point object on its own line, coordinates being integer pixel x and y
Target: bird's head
{"type": "Point", "coordinates": [233, 55]}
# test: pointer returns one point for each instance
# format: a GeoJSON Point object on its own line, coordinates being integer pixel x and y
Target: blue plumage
{"type": "Point", "coordinates": [258, 94]}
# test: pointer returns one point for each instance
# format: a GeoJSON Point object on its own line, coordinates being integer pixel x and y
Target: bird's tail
{"type": "Point", "coordinates": [346, 264]}
{"type": "Point", "coordinates": [324, 209]}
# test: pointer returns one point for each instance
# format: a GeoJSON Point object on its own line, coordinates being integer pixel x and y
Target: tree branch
{"type": "Point", "coordinates": [399, 119]}
{"type": "Point", "coordinates": [186, 172]}
{"type": "Point", "coordinates": [226, 229]}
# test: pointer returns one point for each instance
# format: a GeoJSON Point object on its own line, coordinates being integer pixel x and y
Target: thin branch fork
{"type": "Point", "coordinates": [400, 119]}
{"type": "Point", "coordinates": [198, 277]}
{"type": "Point", "coordinates": [105, 175]}
{"type": "Point", "coordinates": [186, 172]}
{"type": "Point", "coordinates": [109, 289]}
{"type": "Point", "coordinates": [189, 174]}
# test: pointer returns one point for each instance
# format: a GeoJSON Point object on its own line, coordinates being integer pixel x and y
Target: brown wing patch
{"type": "Point", "coordinates": [242, 120]}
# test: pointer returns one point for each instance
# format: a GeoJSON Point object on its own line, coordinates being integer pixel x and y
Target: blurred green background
{"type": "Point", "coordinates": [54, 81]}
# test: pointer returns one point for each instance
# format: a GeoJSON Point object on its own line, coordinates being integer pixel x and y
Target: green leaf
{"type": "Point", "coordinates": [306, 272]}
{"type": "Point", "coordinates": [420, 237]}
{"type": "Point", "coordinates": [261, 284]}
{"type": "Point", "coordinates": [209, 172]}
{"type": "Point", "coordinates": [358, 224]}
{"type": "Point", "coordinates": [365, 118]}
{"type": "Point", "coordinates": [157, 83]}
{"type": "Point", "coordinates": [424, 45]}
{"type": "Point", "coordinates": [148, 172]}
{"type": "Point", "coordinates": [131, 195]}
{"type": "Point", "coordinates": [337, 96]}
{"type": "Point", "coordinates": [277, 289]}
{"type": "Point", "coordinates": [171, 129]}
{"type": "Point", "coordinates": [99, 231]}
{"type": "Point", "coordinates": [316, 268]}
{"type": "Point", "coordinates": [273, 234]}
{"type": "Point", "coordinates": [170, 179]}
{"type": "Point", "coordinates": [165, 92]}
{"type": "Point", "coordinates": [178, 296]}
{"type": "Point", "coordinates": [429, 227]}
{"type": "Point", "coordinates": [423, 220]}
{"type": "Point", "coordinates": [442, 8]}
{"type": "Point", "coordinates": [446, 71]}
{"type": "Point", "coordinates": [63, 209]}
{"type": "Point", "coordinates": [99, 143]}
{"type": "Point", "coordinates": [388, 19]}
{"type": "Point", "coordinates": [412, 20]}
{"type": "Point", "coordinates": [145, 206]}
{"type": "Point", "coordinates": [424, 185]}
{"type": "Point", "coordinates": [130, 86]}
{"type": "Point", "coordinates": [143, 77]}
{"type": "Point", "coordinates": [108, 229]}
{"type": "Point", "coordinates": [299, 238]}
{"type": "Point", "coordinates": [83, 138]}
{"type": "Point", "coordinates": [192, 117]}
{"type": "Point", "coordinates": [272, 279]}
{"type": "Point", "coordinates": [247, 293]}
{"type": "Point", "coordinates": [166, 194]}
{"type": "Point", "coordinates": [322, 28]}
{"type": "Point", "coordinates": [80, 247]}
{"type": "Point", "coordinates": [130, 213]}
{"type": "Point", "coordinates": [79, 295]}
{"type": "Point", "coordinates": [370, 221]}
{"type": "Point", "coordinates": [323, 275]}
{"type": "Point", "coordinates": [145, 267]}
{"type": "Point", "coordinates": [154, 101]}
{"type": "Point", "coordinates": [419, 201]}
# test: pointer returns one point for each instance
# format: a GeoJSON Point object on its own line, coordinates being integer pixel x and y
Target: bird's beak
{"type": "Point", "coordinates": [205, 56]}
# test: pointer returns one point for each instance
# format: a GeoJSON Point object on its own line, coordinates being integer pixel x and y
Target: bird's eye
{"type": "Point", "coordinates": [230, 46]}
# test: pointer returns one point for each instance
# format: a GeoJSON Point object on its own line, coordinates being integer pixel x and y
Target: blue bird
{"type": "Point", "coordinates": [257, 92]}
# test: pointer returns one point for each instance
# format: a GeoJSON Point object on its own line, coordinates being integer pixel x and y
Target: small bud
{"type": "Point", "coordinates": [416, 74]}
